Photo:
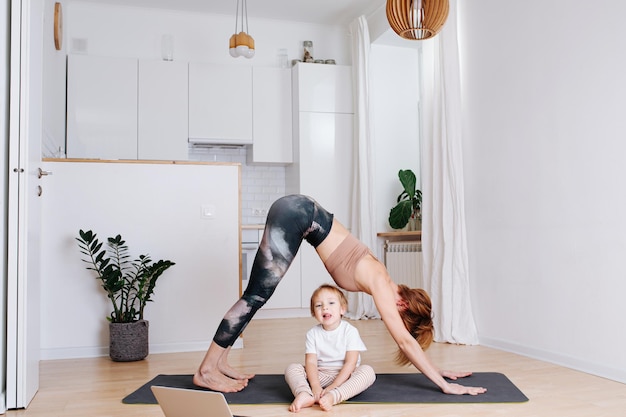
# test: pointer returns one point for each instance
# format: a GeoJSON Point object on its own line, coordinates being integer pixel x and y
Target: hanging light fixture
{"type": "Point", "coordinates": [241, 44]}
{"type": "Point", "coordinates": [417, 19]}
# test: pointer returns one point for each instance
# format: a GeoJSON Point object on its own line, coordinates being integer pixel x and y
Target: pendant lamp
{"type": "Point", "coordinates": [417, 19]}
{"type": "Point", "coordinates": [241, 44]}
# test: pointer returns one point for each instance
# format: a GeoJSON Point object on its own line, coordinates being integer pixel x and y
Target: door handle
{"type": "Point", "coordinates": [43, 173]}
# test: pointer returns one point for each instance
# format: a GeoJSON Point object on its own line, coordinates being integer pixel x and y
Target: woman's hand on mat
{"type": "Point", "coordinates": [458, 389]}
{"type": "Point", "coordinates": [454, 375]}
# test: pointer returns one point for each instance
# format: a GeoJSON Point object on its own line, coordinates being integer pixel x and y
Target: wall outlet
{"type": "Point", "coordinates": [208, 211]}
{"type": "Point", "coordinates": [259, 212]}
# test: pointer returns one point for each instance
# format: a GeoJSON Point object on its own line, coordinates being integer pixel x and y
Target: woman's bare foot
{"type": "Point", "coordinates": [211, 376]}
{"type": "Point", "coordinates": [217, 381]}
{"type": "Point", "coordinates": [231, 372]}
{"type": "Point", "coordinates": [302, 400]}
{"type": "Point", "coordinates": [327, 401]}
{"type": "Point", "coordinates": [234, 374]}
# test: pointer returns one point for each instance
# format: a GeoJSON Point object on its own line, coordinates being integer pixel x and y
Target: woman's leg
{"type": "Point", "coordinates": [290, 220]}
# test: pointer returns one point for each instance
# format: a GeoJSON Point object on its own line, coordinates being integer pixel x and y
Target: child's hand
{"type": "Point", "coordinates": [318, 393]}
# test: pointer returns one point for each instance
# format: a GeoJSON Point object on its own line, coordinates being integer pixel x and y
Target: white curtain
{"type": "Point", "coordinates": [361, 305]}
{"type": "Point", "coordinates": [443, 213]}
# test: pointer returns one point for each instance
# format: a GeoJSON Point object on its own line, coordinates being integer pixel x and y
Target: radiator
{"type": "Point", "coordinates": [404, 263]}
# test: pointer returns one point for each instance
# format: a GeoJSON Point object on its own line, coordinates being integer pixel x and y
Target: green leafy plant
{"type": "Point", "coordinates": [409, 202]}
{"type": "Point", "coordinates": [129, 284]}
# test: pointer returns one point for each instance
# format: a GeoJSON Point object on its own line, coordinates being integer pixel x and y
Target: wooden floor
{"type": "Point", "coordinates": [95, 387]}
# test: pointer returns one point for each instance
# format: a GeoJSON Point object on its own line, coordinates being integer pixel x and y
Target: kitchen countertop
{"type": "Point", "coordinates": [259, 226]}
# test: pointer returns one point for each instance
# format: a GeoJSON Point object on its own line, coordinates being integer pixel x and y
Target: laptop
{"type": "Point", "coordinates": [180, 402]}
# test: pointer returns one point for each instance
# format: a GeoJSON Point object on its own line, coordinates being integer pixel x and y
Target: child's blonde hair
{"type": "Point", "coordinates": [342, 298]}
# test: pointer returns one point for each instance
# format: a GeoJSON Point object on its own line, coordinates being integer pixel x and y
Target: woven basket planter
{"type": "Point", "coordinates": [128, 341]}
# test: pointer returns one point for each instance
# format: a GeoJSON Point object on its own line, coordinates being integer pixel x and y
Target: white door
{"type": "Point", "coordinates": [24, 203]}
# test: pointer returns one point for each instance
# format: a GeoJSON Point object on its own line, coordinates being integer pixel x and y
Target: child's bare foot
{"type": "Point", "coordinates": [217, 381]}
{"type": "Point", "coordinates": [327, 401]}
{"type": "Point", "coordinates": [302, 400]}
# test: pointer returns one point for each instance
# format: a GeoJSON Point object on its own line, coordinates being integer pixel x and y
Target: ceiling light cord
{"type": "Point", "coordinates": [240, 43]}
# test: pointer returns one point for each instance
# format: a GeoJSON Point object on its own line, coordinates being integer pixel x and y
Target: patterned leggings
{"type": "Point", "coordinates": [360, 380]}
{"type": "Point", "coordinates": [290, 220]}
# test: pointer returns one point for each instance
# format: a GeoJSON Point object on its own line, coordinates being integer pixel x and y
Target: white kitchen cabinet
{"type": "Point", "coordinates": [324, 171]}
{"type": "Point", "coordinates": [325, 160]}
{"type": "Point", "coordinates": [271, 116]}
{"type": "Point", "coordinates": [323, 88]}
{"type": "Point", "coordinates": [323, 152]}
{"type": "Point", "coordinates": [220, 103]}
{"type": "Point", "coordinates": [162, 110]}
{"type": "Point", "coordinates": [101, 107]}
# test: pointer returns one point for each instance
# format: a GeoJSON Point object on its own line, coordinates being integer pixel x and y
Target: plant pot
{"type": "Point", "coordinates": [128, 341]}
{"type": "Point", "coordinates": [414, 224]}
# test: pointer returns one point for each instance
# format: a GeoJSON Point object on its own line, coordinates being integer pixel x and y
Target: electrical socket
{"type": "Point", "coordinates": [259, 212]}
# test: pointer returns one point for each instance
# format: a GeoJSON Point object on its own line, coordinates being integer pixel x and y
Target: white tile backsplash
{"type": "Point", "coordinates": [261, 185]}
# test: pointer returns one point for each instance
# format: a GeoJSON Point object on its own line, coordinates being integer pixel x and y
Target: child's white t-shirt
{"type": "Point", "coordinates": [331, 346]}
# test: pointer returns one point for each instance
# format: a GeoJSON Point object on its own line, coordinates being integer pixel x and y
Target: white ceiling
{"type": "Point", "coordinates": [332, 12]}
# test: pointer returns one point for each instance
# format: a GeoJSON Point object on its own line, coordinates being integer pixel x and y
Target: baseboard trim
{"type": "Point", "coordinates": [571, 362]}
{"type": "Point", "coordinates": [99, 351]}
{"type": "Point", "coordinates": [282, 313]}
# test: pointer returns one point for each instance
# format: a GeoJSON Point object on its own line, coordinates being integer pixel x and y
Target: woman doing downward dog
{"type": "Point", "coordinates": [406, 312]}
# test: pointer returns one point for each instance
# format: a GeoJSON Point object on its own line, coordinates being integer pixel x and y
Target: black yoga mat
{"type": "Point", "coordinates": [388, 388]}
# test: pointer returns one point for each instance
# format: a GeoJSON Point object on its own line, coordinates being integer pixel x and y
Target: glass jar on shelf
{"type": "Point", "coordinates": [307, 47]}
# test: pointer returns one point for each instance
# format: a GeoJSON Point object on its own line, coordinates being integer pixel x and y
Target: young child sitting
{"type": "Point", "coordinates": [332, 372]}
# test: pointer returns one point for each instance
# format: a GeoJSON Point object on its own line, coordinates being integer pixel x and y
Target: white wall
{"type": "Point", "coordinates": [544, 97]}
{"type": "Point", "coordinates": [122, 31]}
{"type": "Point", "coordinates": [134, 32]}
{"type": "Point", "coordinates": [204, 37]}
{"type": "Point", "coordinates": [53, 103]}
{"type": "Point", "coordinates": [394, 103]}
{"type": "Point", "coordinates": [158, 210]}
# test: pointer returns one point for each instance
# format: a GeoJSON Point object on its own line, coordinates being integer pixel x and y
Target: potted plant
{"type": "Point", "coordinates": [129, 285]}
{"type": "Point", "coordinates": [408, 204]}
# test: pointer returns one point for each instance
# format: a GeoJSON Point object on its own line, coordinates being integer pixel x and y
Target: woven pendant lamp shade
{"type": "Point", "coordinates": [417, 19]}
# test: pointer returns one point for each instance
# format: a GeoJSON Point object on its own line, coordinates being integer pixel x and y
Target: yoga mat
{"type": "Point", "coordinates": [388, 388]}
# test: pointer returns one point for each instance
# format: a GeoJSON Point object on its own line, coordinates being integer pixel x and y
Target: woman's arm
{"type": "Point", "coordinates": [375, 280]}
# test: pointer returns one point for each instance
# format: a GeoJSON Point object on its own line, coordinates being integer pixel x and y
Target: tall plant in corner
{"type": "Point", "coordinates": [129, 284]}
{"type": "Point", "coordinates": [409, 202]}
